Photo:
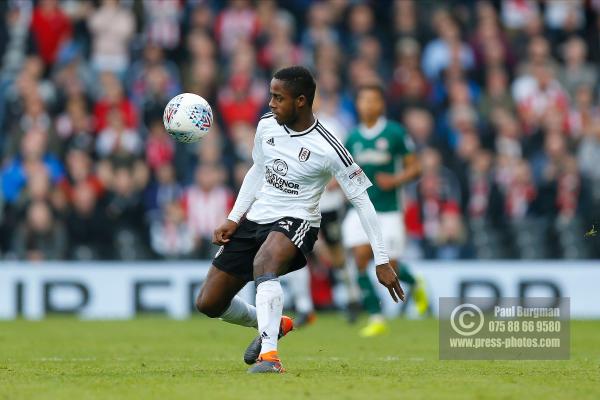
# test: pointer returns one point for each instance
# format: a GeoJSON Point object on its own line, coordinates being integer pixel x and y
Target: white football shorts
{"type": "Point", "coordinates": [392, 229]}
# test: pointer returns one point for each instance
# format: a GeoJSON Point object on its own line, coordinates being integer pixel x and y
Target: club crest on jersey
{"type": "Point", "coordinates": [304, 154]}
{"type": "Point", "coordinates": [280, 167]}
{"type": "Point", "coordinates": [382, 144]}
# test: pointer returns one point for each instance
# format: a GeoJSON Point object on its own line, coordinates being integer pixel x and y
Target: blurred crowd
{"type": "Point", "coordinates": [500, 97]}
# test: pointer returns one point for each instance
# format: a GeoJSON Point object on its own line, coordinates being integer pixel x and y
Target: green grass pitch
{"type": "Point", "coordinates": [155, 358]}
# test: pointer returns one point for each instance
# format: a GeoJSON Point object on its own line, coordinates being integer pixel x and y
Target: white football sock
{"type": "Point", "coordinates": [300, 287]}
{"type": "Point", "coordinates": [269, 307]}
{"type": "Point", "coordinates": [240, 313]}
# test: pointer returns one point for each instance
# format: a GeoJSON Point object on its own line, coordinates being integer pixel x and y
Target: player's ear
{"type": "Point", "coordinates": [301, 101]}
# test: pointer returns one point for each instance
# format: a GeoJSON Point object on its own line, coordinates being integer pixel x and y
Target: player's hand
{"type": "Point", "coordinates": [224, 232]}
{"type": "Point", "coordinates": [388, 278]}
{"type": "Point", "coordinates": [386, 181]}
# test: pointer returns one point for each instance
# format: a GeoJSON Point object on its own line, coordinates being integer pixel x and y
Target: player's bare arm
{"type": "Point", "coordinates": [411, 170]}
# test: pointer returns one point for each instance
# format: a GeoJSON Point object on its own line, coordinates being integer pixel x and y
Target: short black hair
{"type": "Point", "coordinates": [299, 80]}
{"type": "Point", "coordinates": [377, 87]}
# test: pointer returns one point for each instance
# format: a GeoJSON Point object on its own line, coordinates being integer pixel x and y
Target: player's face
{"type": "Point", "coordinates": [369, 104]}
{"type": "Point", "coordinates": [282, 103]}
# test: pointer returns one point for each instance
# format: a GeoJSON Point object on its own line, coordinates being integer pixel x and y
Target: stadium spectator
{"type": "Point", "coordinates": [72, 77]}
{"type": "Point", "coordinates": [433, 215]}
{"type": "Point", "coordinates": [360, 24]}
{"type": "Point", "coordinates": [34, 117]}
{"type": "Point", "coordinates": [40, 236]}
{"type": "Point", "coordinates": [200, 74]}
{"type": "Point", "coordinates": [171, 236]}
{"type": "Point", "coordinates": [79, 171]}
{"type": "Point", "coordinates": [409, 87]}
{"type": "Point", "coordinates": [446, 49]}
{"type": "Point", "coordinates": [570, 196]}
{"type": "Point", "coordinates": [420, 125]}
{"type": "Point", "coordinates": [564, 18]}
{"type": "Point", "coordinates": [241, 100]}
{"type": "Point", "coordinates": [334, 102]}
{"type": "Point", "coordinates": [484, 196]}
{"type": "Point", "coordinates": [207, 202]}
{"type": "Point", "coordinates": [318, 30]}
{"type": "Point", "coordinates": [539, 95]}
{"type": "Point", "coordinates": [112, 27]}
{"type": "Point", "coordinates": [521, 193]}
{"type": "Point", "coordinates": [116, 140]}
{"type": "Point", "coordinates": [74, 126]}
{"type": "Point", "coordinates": [516, 14]}
{"type": "Point", "coordinates": [279, 49]}
{"type": "Point", "coordinates": [87, 225]}
{"type": "Point", "coordinates": [159, 148]}
{"type": "Point", "coordinates": [490, 45]}
{"type": "Point", "coordinates": [496, 94]}
{"type": "Point", "coordinates": [162, 22]}
{"type": "Point", "coordinates": [16, 42]}
{"type": "Point", "coordinates": [153, 77]}
{"type": "Point", "coordinates": [125, 213]}
{"type": "Point", "coordinates": [164, 189]}
{"type": "Point", "coordinates": [238, 21]}
{"type": "Point", "coordinates": [113, 96]}
{"type": "Point", "coordinates": [584, 116]}
{"type": "Point", "coordinates": [38, 188]}
{"type": "Point", "coordinates": [434, 220]}
{"type": "Point", "coordinates": [576, 71]}
{"type": "Point", "coordinates": [587, 156]}
{"type": "Point", "coordinates": [407, 22]}
{"type": "Point", "coordinates": [33, 158]}
{"type": "Point", "coordinates": [51, 28]}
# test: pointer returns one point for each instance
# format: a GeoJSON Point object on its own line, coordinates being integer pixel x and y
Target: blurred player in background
{"type": "Point", "coordinates": [384, 151]}
{"type": "Point", "coordinates": [333, 208]}
{"type": "Point", "coordinates": [300, 290]}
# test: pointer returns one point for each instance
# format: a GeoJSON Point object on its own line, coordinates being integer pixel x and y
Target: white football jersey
{"type": "Point", "coordinates": [297, 166]}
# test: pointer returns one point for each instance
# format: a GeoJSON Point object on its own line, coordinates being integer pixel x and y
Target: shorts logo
{"type": "Point", "coordinates": [285, 225]}
{"type": "Point", "coordinates": [280, 167]}
{"type": "Point", "coordinates": [220, 251]}
{"type": "Point", "coordinates": [304, 154]}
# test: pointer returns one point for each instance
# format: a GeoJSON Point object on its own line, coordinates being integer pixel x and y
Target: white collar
{"type": "Point", "coordinates": [375, 130]}
{"type": "Point", "coordinates": [304, 132]}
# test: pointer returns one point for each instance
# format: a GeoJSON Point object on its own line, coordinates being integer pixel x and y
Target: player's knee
{"type": "Point", "coordinates": [209, 308]}
{"type": "Point", "coordinates": [264, 263]}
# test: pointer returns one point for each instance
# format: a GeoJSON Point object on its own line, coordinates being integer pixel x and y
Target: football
{"type": "Point", "coordinates": [188, 117]}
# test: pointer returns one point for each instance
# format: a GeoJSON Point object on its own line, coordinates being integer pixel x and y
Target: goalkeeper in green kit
{"type": "Point", "coordinates": [384, 151]}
